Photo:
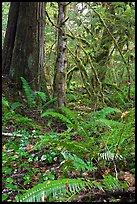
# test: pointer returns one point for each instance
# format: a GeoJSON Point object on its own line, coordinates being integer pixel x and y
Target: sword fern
{"type": "Point", "coordinates": [51, 190]}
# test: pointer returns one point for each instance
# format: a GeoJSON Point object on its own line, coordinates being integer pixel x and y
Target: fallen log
{"type": "Point", "coordinates": [89, 196]}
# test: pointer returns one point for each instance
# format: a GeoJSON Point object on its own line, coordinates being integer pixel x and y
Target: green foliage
{"type": "Point", "coordinates": [77, 162]}
{"type": "Point", "coordinates": [70, 119]}
{"type": "Point", "coordinates": [42, 95]}
{"type": "Point", "coordinates": [16, 105]}
{"type": "Point", "coordinates": [5, 102]}
{"type": "Point", "coordinates": [51, 190]}
{"type": "Point", "coordinates": [111, 183]}
{"type": "Point", "coordinates": [113, 137]}
{"type": "Point", "coordinates": [36, 98]}
{"type": "Point", "coordinates": [48, 103]}
{"type": "Point", "coordinates": [28, 92]}
{"type": "Point", "coordinates": [103, 113]}
{"type": "Point", "coordinates": [60, 116]}
{"type": "Point", "coordinates": [105, 135]}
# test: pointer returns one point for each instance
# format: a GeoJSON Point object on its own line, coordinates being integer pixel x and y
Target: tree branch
{"type": "Point", "coordinates": [51, 21]}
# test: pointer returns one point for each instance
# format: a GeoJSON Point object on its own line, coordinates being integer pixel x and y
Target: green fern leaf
{"type": "Point", "coordinates": [5, 102]}
{"type": "Point", "coordinates": [70, 114]}
{"type": "Point", "coordinates": [42, 95]}
{"type": "Point", "coordinates": [28, 91]}
{"type": "Point", "coordinates": [109, 123]}
{"type": "Point", "coordinates": [54, 114]}
{"type": "Point", "coordinates": [105, 112]}
{"type": "Point", "coordinates": [16, 105]}
{"type": "Point", "coordinates": [49, 102]}
{"type": "Point", "coordinates": [77, 162]}
{"type": "Point", "coordinates": [52, 189]}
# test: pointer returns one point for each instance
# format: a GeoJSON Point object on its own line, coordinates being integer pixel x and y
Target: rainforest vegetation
{"type": "Point", "coordinates": [68, 101]}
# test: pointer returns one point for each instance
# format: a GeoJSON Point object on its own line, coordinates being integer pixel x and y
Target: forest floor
{"type": "Point", "coordinates": [24, 165]}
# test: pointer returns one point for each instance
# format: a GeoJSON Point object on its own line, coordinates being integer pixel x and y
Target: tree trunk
{"type": "Point", "coordinates": [102, 57]}
{"type": "Point", "coordinates": [41, 30]}
{"type": "Point", "coordinates": [10, 37]}
{"type": "Point", "coordinates": [59, 78]}
{"type": "Point", "coordinates": [23, 51]}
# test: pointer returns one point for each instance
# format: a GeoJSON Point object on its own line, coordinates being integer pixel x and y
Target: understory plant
{"type": "Point", "coordinates": [53, 190]}
{"type": "Point", "coordinates": [36, 99]}
{"type": "Point", "coordinates": [67, 188]}
{"type": "Point", "coordinates": [105, 135]}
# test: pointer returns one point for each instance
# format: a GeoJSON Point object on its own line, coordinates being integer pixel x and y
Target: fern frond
{"type": "Point", "coordinates": [77, 162]}
{"type": "Point", "coordinates": [16, 105]}
{"type": "Point", "coordinates": [111, 182]}
{"type": "Point", "coordinates": [49, 102]}
{"type": "Point", "coordinates": [52, 190]}
{"type": "Point", "coordinates": [109, 123]}
{"type": "Point", "coordinates": [28, 91]}
{"type": "Point", "coordinates": [70, 114]}
{"type": "Point", "coordinates": [75, 146]}
{"type": "Point", "coordinates": [105, 112]}
{"type": "Point", "coordinates": [109, 156]}
{"type": "Point", "coordinates": [104, 122]}
{"type": "Point", "coordinates": [54, 114]}
{"type": "Point", "coordinates": [5, 102]}
{"type": "Point", "coordinates": [42, 95]}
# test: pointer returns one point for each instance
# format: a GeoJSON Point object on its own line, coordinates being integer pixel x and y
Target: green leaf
{"type": "Point", "coordinates": [51, 189]}
{"type": "Point", "coordinates": [54, 114]}
{"type": "Point", "coordinates": [49, 102]}
{"type": "Point", "coordinates": [51, 176]}
{"type": "Point", "coordinates": [8, 171]}
{"type": "Point", "coordinates": [5, 102]}
{"type": "Point", "coordinates": [98, 185]}
{"type": "Point", "coordinates": [11, 186]}
{"type": "Point", "coordinates": [42, 95]}
{"type": "Point", "coordinates": [4, 197]}
{"type": "Point", "coordinates": [28, 92]}
{"type": "Point", "coordinates": [16, 105]}
{"type": "Point", "coordinates": [9, 180]}
{"type": "Point", "coordinates": [44, 157]}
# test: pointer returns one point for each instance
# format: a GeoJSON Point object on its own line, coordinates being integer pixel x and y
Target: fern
{"type": "Point", "coordinates": [28, 92]}
{"type": "Point", "coordinates": [52, 190]}
{"type": "Point", "coordinates": [105, 112]}
{"type": "Point", "coordinates": [42, 95]}
{"type": "Point", "coordinates": [61, 116]}
{"type": "Point", "coordinates": [109, 156]}
{"type": "Point", "coordinates": [102, 122]}
{"type": "Point", "coordinates": [70, 114]}
{"type": "Point", "coordinates": [5, 102]}
{"type": "Point", "coordinates": [16, 105]}
{"type": "Point", "coordinates": [77, 123]}
{"type": "Point", "coordinates": [77, 162]}
{"type": "Point", "coordinates": [112, 183]}
{"type": "Point", "coordinates": [49, 102]}
{"type": "Point", "coordinates": [70, 119]}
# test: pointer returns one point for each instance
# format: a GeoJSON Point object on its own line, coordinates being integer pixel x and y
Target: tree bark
{"type": "Point", "coordinates": [23, 51]}
{"type": "Point", "coordinates": [10, 37]}
{"type": "Point", "coordinates": [59, 79]}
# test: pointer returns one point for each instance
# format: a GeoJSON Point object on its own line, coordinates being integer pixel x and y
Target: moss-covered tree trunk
{"type": "Point", "coordinates": [60, 72]}
{"type": "Point", "coordinates": [102, 56]}
{"type": "Point", "coordinates": [23, 50]}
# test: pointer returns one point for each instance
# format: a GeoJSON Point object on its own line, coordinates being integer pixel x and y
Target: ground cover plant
{"type": "Point", "coordinates": [68, 117]}
{"type": "Point", "coordinates": [64, 148]}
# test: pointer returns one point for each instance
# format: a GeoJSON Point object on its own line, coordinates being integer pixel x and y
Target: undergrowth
{"type": "Point", "coordinates": [104, 140]}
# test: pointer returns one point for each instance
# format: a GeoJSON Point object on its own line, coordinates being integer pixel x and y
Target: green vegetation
{"type": "Point", "coordinates": [84, 151]}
